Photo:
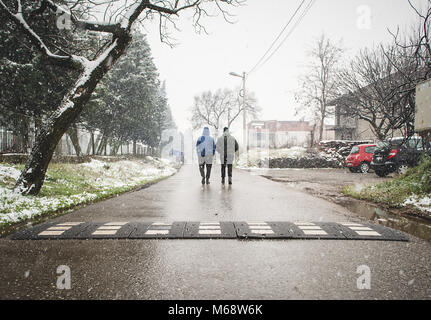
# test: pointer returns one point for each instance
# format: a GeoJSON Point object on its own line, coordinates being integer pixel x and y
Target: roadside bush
{"type": "Point", "coordinates": [415, 182]}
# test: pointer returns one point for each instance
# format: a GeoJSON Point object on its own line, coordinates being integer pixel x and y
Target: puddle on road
{"type": "Point", "coordinates": [415, 226]}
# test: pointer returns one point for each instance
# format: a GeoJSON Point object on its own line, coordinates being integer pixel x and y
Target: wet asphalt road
{"type": "Point", "coordinates": [214, 269]}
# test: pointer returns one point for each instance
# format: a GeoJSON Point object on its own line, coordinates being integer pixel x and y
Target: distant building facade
{"type": "Point", "coordinates": [284, 134]}
{"type": "Point", "coordinates": [352, 128]}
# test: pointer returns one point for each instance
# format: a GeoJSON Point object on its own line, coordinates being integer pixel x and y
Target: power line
{"type": "Point", "coordinates": [278, 37]}
{"type": "Point", "coordinates": [310, 4]}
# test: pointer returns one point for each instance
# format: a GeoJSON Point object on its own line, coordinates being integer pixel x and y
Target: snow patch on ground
{"type": "Point", "coordinates": [125, 172]}
{"type": "Point", "coordinates": [9, 172]}
{"type": "Point", "coordinates": [103, 175]}
{"type": "Point", "coordinates": [422, 203]}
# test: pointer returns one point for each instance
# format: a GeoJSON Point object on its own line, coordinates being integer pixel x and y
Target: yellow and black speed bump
{"type": "Point", "coordinates": [210, 230]}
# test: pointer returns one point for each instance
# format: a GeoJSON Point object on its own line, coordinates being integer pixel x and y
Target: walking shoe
{"type": "Point", "coordinates": [222, 180]}
{"type": "Point", "coordinates": [230, 180]}
{"type": "Point", "coordinates": [203, 180]}
{"type": "Point", "coordinates": [208, 181]}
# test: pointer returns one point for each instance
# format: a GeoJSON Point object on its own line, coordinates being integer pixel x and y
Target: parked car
{"type": "Point", "coordinates": [397, 155]}
{"type": "Point", "coordinates": [360, 158]}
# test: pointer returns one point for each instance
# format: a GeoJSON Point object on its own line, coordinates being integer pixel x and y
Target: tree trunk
{"type": "Point", "coordinates": [97, 144]}
{"type": "Point", "coordinates": [32, 177]}
{"type": "Point", "coordinates": [102, 145]}
{"type": "Point", "coordinates": [134, 147]}
{"type": "Point", "coordinates": [115, 147]}
{"type": "Point", "coordinates": [312, 134]}
{"type": "Point", "coordinates": [322, 124]}
{"type": "Point", "coordinates": [90, 144]}
{"type": "Point", "coordinates": [93, 146]}
{"type": "Point", "coordinates": [25, 136]}
{"type": "Point", "coordinates": [73, 134]}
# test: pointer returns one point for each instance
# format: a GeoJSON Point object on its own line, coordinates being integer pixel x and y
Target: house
{"type": "Point", "coordinates": [387, 119]}
{"type": "Point", "coordinates": [283, 134]}
{"type": "Point", "coordinates": [351, 128]}
{"type": "Point", "coordinates": [348, 127]}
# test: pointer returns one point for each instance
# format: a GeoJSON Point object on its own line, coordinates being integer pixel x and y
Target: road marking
{"type": "Point", "coordinates": [109, 229]}
{"type": "Point", "coordinates": [209, 232]}
{"type": "Point", "coordinates": [261, 228]}
{"type": "Point", "coordinates": [69, 223]}
{"type": "Point", "coordinates": [104, 232]}
{"type": "Point", "coordinates": [50, 233]}
{"type": "Point", "coordinates": [58, 229]}
{"type": "Point", "coordinates": [311, 229]}
{"type": "Point", "coordinates": [314, 232]}
{"type": "Point", "coordinates": [304, 223]}
{"type": "Point", "coordinates": [156, 232]}
{"type": "Point", "coordinates": [262, 231]}
{"type": "Point", "coordinates": [361, 230]}
{"type": "Point", "coordinates": [368, 233]}
{"type": "Point", "coordinates": [116, 223]}
{"type": "Point", "coordinates": [159, 228]}
{"type": "Point", "coordinates": [209, 228]}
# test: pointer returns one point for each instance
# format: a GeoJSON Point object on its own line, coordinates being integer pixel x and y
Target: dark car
{"type": "Point", "coordinates": [397, 155]}
{"type": "Point", "coordinates": [360, 158]}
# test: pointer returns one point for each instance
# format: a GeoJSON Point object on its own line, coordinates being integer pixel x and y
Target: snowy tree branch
{"type": "Point", "coordinates": [34, 38]}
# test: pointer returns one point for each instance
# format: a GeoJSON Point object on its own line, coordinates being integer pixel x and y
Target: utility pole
{"type": "Point", "coordinates": [244, 113]}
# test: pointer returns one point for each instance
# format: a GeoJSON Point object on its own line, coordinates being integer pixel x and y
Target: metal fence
{"type": "Point", "coordinates": [12, 143]}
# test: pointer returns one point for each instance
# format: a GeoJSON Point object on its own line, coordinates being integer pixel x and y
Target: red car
{"type": "Point", "coordinates": [360, 158]}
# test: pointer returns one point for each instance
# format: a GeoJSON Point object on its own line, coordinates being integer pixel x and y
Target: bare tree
{"type": "Point", "coordinates": [318, 85]}
{"type": "Point", "coordinates": [414, 51]}
{"type": "Point", "coordinates": [373, 89]}
{"type": "Point", "coordinates": [379, 84]}
{"type": "Point", "coordinates": [118, 20]}
{"type": "Point", "coordinates": [221, 108]}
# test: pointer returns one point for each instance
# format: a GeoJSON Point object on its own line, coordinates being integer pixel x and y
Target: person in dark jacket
{"type": "Point", "coordinates": [227, 147]}
{"type": "Point", "coordinates": [205, 148]}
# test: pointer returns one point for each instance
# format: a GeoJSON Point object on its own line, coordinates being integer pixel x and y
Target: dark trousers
{"type": "Point", "coordinates": [223, 170]}
{"type": "Point", "coordinates": [202, 170]}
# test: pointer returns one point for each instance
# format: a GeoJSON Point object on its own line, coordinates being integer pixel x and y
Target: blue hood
{"type": "Point", "coordinates": [206, 131]}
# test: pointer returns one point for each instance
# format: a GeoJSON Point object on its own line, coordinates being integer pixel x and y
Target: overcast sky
{"type": "Point", "coordinates": [202, 62]}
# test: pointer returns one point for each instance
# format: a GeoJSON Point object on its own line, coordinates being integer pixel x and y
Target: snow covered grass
{"type": "Point", "coordinates": [69, 185]}
{"type": "Point", "coordinates": [411, 189]}
{"type": "Point", "coordinates": [254, 155]}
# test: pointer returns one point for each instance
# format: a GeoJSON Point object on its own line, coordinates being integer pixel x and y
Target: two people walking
{"type": "Point", "coordinates": [226, 146]}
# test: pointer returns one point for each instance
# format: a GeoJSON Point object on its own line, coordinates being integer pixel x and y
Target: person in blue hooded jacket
{"type": "Point", "coordinates": [205, 148]}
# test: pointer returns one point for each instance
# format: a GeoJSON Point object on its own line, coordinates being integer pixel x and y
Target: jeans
{"type": "Point", "coordinates": [202, 170]}
{"type": "Point", "coordinates": [223, 170]}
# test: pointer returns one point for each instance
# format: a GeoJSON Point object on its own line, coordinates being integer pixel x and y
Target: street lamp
{"type": "Point", "coordinates": [244, 124]}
